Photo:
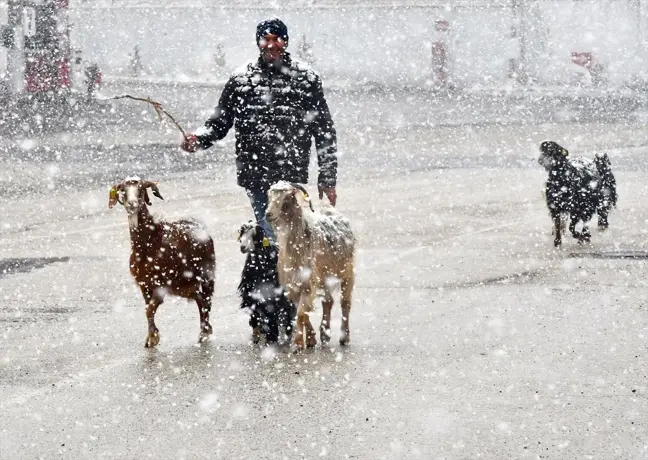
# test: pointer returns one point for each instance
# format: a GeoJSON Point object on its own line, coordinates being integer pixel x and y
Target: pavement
{"type": "Point", "coordinates": [354, 84]}
{"type": "Point", "coordinates": [472, 337]}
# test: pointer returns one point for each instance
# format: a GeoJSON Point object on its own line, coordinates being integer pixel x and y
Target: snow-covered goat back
{"type": "Point", "coordinates": [316, 251]}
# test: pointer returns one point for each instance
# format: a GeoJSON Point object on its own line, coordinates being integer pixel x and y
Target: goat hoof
{"type": "Point", "coordinates": [152, 340]}
{"type": "Point", "coordinates": [345, 340]}
{"type": "Point", "coordinates": [312, 341]}
{"type": "Point", "coordinates": [204, 337]}
{"type": "Point", "coordinates": [557, 243]}
{"type": "Point", "coordinates": [299, 341]}
{"type": "Point", "coordinates": [256, 335]}
{"type": "Point", "coordinates": [325, 335]}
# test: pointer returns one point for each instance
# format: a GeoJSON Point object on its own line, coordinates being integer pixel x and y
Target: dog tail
{"type": "Point", "coordinates": [603, 164]}
{"type": "Point", "coordinates": [604, 168]}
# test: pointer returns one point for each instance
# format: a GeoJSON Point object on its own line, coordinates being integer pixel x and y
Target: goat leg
{"type": "Point", "coordinates": [346, 290]}
{"type": "Point", "coordinates": [204, 307]}
{"type": "Point", "coordinates": [325, 326]}
{"type": "Point", "coordinates": [299, 331]}
{"type": "Point", "coordinates": [153, 337]}
{"type": "Point", "coordinates": [303, 322]}
{"type": "Point", "coordinates": [311, 335]}
{"type": "Point", "coordinates": [304, 326]}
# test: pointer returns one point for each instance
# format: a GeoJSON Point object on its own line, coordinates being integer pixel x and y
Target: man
{"type": "Point", "coordinates": [277, 107]}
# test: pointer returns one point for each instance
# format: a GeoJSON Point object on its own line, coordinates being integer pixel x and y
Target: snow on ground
{"type": "Point", "coordinates": [472, 337]}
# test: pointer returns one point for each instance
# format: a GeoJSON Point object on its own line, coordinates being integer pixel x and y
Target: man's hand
{"type": "Point", "coordinates": [329, 192]}
{"type": "Point", "coordinates": [190, 144]}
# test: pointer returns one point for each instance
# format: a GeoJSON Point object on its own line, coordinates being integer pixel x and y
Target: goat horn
{"type": "Point", "coordinates": [154, 188]}
{"type": "Point", "coordinates": [302, 189]}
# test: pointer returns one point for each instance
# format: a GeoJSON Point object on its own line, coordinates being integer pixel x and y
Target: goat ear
{"type": "Point", "coordinates": [301, 195]}
{"type": "Point", "coordinates": [292, 198]}
{"type": "Point", "coordinates": [147, 200]}
{"type": "Point", "coordinates": [113, 196]}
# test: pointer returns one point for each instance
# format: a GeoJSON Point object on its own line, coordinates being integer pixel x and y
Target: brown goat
{"type": "Point", "coordinates": [175, 258]}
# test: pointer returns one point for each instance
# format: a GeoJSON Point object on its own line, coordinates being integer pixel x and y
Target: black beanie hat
{"type": "Point", "coordinates": [272, 26]}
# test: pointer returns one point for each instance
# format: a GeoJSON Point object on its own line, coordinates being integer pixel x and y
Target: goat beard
{"type": "Point", "coordinates": [132, 221]}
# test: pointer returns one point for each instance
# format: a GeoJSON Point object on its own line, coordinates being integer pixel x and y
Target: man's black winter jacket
{"type": "Point", "coordinates": [276, 111]}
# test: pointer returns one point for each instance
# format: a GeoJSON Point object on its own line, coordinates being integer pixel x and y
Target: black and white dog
{"type": "Point", "coordinates": [261, 294]}
{"type": "Point", "coordinates": [577, 188]}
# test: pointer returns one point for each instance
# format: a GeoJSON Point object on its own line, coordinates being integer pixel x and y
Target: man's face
{"type": "Point", "coordinates": [272, 47]}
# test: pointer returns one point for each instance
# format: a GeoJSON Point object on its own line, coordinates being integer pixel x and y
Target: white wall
{"type": "Point", "coordinates": [382, 44]}
{"type": "Point", "coordinates": [3, 50]}
{"type": "Point", "coordinates": [609, 29]}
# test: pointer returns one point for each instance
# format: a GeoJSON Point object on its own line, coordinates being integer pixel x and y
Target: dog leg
{"type": "Point", "coordinates": [254, 324]}
{"type": "Point", "coordinates": [289, 312]}
{"type": "Point", "coordinates": [603, 219]}
{"type": "Point", "coordinates": [272, 334]}
{"type": "Point", "coordinates": [572, 227]}
{"type": "Point", "coordinates": [556, 232]}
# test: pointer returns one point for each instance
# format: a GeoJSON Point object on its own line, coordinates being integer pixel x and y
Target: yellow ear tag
{"type": "Point", "coordinates": [113, 193]}
{"type": "Point", "coordinates": [306, 196]}
{"type": "Point", "coordinates": [266, 242]}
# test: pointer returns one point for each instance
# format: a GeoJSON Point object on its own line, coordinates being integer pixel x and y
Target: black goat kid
{"type": "Point", "coordinates": [261, 293]}
{"type": "Point", "coordinates": [577, 188]}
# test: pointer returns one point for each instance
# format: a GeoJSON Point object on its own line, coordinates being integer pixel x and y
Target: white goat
{"type": "Point", "coordinates": [316, 250]}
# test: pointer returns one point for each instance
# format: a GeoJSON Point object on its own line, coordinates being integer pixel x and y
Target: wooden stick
{"type": "Point", "coordinates": [158, 109]}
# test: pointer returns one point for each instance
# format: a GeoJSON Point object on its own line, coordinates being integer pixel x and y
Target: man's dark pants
{"type": "Point", "coordinates": [259, 200]}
